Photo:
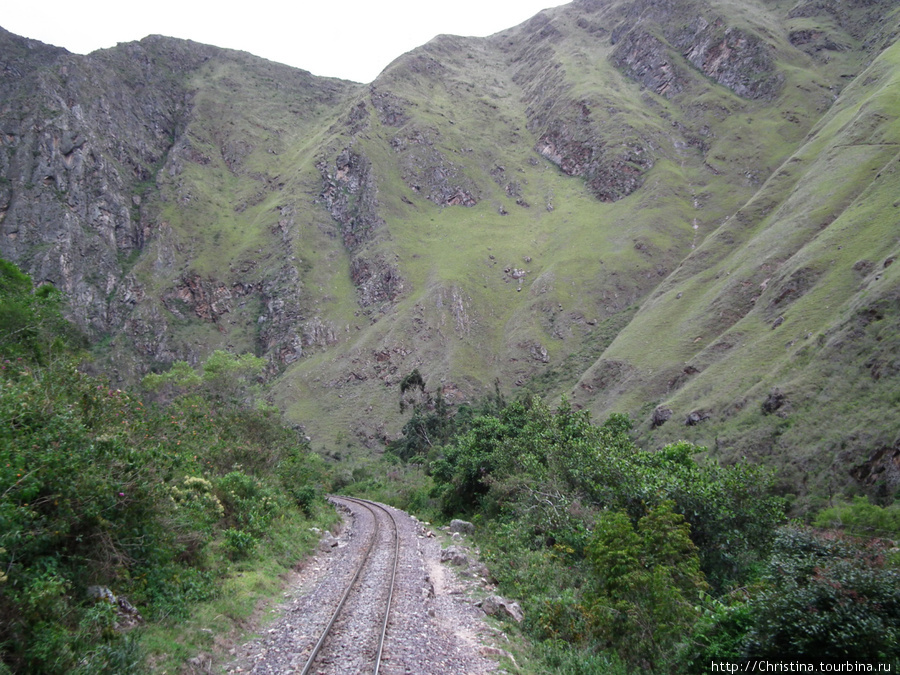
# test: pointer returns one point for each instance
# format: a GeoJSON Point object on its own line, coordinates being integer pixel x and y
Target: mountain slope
{"type": "Point", "coordinates": [616, 200]}
{"type": "Point", "coordinates": [786, 336]}
{"type": "Point", "coordinates": [130, 178]}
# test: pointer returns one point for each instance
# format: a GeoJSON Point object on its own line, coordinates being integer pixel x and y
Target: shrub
{"type": "Point", "coordinates": [31, 324]}
{"type": "Point", "coordinates": [862, 518]}
{"type": "Point", "coordinates": [647, 584]}
{"type": "Point", "coordinates": [300, 475]}
{"type": "Point", "coordinates": [97, 488]}
{"type": "Point", "coordinates": [610, 549]}
{"type": "Point", "coordinates": [305, 496]}
{"type": "Point", "coordinates": [820, 599]}
{"type": "Point", "coordinates": [719, 634]}
{"type": "Point", "coordinates": [249, 504]}
{"type": "Point", "coordinates": [238, 543]}
{"type": "Point", "coordinates": [195, 495]}
{"type": "Point", "coordinates": [553, 470]}
{"type": "Point", "coordinates": [562, 659]}
{"type": "Point", "coordinates": [828, 600]}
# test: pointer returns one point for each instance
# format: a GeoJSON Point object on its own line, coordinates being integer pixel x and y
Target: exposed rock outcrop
{"type": "Point", "coordinates": [391, 108]}
{"type": "Point", "coordinates": [611, 172]}
{"type": "Point", "coordinates": [695, 417]}
{"type": "Point", "coordinates": [207, 299]}
{"type": "Point", "coordinates": [376, 280]}
{"type": "Point", "coordinates": [646, 59]}
{"type": "Point", "coordinates": [883, 467]}
{"type": "Point", "coordinates": [350, 193]}
{"type": "Point", "coordinates": [661, 415]}
{"type": "Point", "coordinates": [494, 605]}
{"type": "Point", "coordinates": [462, 526]}
{"type": "Point", "coordinates": [428, 172]}
{"type": "Point", "coordinates": [735, 58]}
{"type": "Point", "coordinates": [84, 136]}
{"type": "Point", "coordinates": [774, 401]}
{"type": "Point", "coordinates": [455, 555]}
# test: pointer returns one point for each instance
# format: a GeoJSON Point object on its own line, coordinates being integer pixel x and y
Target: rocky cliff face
{"type": "Point", "coordinates": [486, 209]}
{"type": "Point", "coordinates": [83, 141]}
{"type": "Point", "coordinates": [96, 147]}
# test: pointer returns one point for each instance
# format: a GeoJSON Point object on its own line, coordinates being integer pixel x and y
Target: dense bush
{"type": "Point", "coordinates": [104, 496]}
{"type": "Point", "coordinates": [821, 598]}
{"type": "Point", "coordinates": [551, 469]}
{"type": "Point", "coordinates": [827, 598]}
{"type": "Point", "coordinates": [31, 325]}
{"type": "Point", "coordinates": [611, 548]}
{"type": "Point", "coordinates": [861, 517]}
{"type": "Point", "coordinates": [646, 584]}
{"type": "Point", "coordinates": [98, 489]}
{"type": "Point", "coordinates": [432, 423]}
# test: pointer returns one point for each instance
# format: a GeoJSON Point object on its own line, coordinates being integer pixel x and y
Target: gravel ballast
{"type": "Point", "coordinates": [434, 627]}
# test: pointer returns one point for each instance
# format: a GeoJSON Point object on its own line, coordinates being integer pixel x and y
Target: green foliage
{"type": "Point", "coordinates": [300, 474]}
{"type": "Point", "coordinates": [647, 584]}
{"type": "Point", "coordinates": [305, 496]}
{"type": "Point", "coordinates": [827, 599]}
{"type": "Point", "coordinates": [611, 549]}
{"type": "Point", "coordinates": [31, 325]}
{"type": "Point", "coordinates": [544, 466]}
{"type": "Point", "coordinates": [152, 502]}
{"type": "Point", "coordinates": [819, 599]}
{"type": "Point", "coordinates": [412, 381]}
{"type": "Point", "coordinates": [239, 543]}
{"type": "Point", "coordinates": [426, 428]}
{"type": "Point", "coordinates": [226, 378]}
{"type": "Point", "coordinates": [561, 659]}
{"type": "Point", "coordinates": [732, 510]}
{"type": "Point", "coordinates": [229, 377]}
{"type": "Point", "coordinates": [249, 503]}
{"type": "Point", "coordinates": [170, 588]}
{"type": "Point", "coordinates": [861, 517]}
{"type": "Point", "coordinates": [718, 635]}
{"type": "Point", "coordinates": [431, 424]}
{"type": "Point", "coordinates": [13, 282]}
{"type": "Point", "coordinates": [179, 377]}
{"type": "Point", "coordinates": [461, 475]}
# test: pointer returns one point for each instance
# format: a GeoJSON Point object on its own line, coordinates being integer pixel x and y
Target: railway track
{"type": "Point", "coordinates": [413, 610]}
{"type": "Point", "coordinates": [347, 643]}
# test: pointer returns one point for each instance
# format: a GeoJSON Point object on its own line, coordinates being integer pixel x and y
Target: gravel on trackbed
{"type": "Point", "coordinates": [435, 627]}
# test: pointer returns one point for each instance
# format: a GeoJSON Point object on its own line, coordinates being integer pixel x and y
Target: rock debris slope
{"type": "Point", "coordinates": [645, 205]}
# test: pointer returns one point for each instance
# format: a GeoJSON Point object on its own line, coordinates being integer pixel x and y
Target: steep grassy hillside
{"type": "Point", "coordinates": [710, 146]}
{"type": "Point", "coordinates": [616, 200]}
{"type": "Point", "coordinates": [782, 326]}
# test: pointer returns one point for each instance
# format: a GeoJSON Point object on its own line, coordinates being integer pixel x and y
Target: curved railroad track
{"type": "Point", "coordinates": [346, 643]}
{"type": "Point", "coordinates": [405, 613]}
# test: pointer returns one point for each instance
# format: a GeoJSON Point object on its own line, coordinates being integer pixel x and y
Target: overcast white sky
{"type": "Point", "coordinates": [352, 39]}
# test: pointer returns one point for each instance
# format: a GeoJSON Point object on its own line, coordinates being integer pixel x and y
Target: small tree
{"type": "Point", "coordinates": [647, 583]}
{"type": "Point", "coordinates": [227, 378]}
{"type": "Point", "coordinates": [31, 324]}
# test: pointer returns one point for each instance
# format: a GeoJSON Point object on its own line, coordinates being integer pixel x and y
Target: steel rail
{"type": "Point", "coordinates": [387, 609]}
{"type": "Point", "coordinates": [365, 558]}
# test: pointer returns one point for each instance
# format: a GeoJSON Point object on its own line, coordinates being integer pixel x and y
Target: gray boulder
{"type": "Point", "coordinates": [327, 542]}
{"type": "Point", "coordinates": [455, 556]}
{"type": "Point", "coordinates": [462, 526]}
{"type": "Point", "coordinates": [494, 605]}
